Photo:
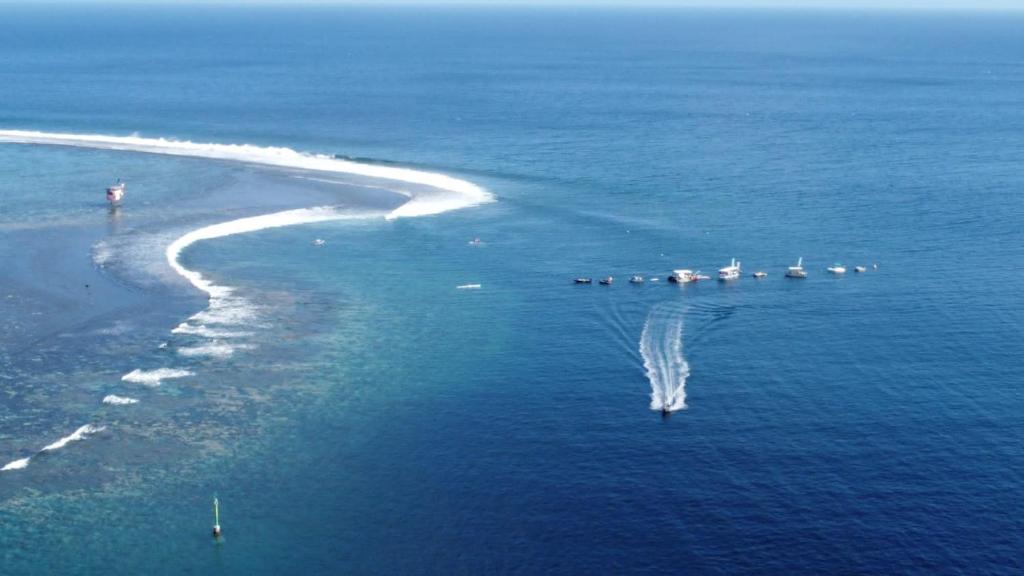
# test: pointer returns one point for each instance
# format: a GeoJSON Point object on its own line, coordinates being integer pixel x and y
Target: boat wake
{"type": "Point", "coordinates": [661, 346]}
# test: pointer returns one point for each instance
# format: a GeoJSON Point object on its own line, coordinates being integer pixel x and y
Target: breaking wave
{"type": "Point", "coordinates": [447, 193]}
{"type": "Point", "coordinates": [661, 346]}
{"type": "Point", "coordinates": [154, 378]}
{"type": "Point", "coordinates": [115, 400]}
{"type": "Point", "coordinates": [81, 433]}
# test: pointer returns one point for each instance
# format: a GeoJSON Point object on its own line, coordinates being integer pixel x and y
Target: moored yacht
{"type": "Point", "coordinates": [730, 272]}
{"type": "Point", "coordinates": [837, 268]}
{"type": "Point", "coordinates": [798, 270]}
{"type": "Point", "coordinates": [636, 280]}
{"type": "Point", "coordinates": [683, 276]}
{"type": "Point", "coordinates": [860, 269]}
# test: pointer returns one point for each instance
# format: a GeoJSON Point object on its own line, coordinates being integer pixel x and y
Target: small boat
{"type": "Point", "coordinates": [683, 276]}
{"type": "Point", "coordinates": [860, 269]}
{"type": "Point", "coordinates": [636, 280]}
{"type": "Point", "coordinates": [583, 281]}
{"type": "Point", "coordinates": [700, 276]}
{"type": "Point", "coordinates": [798, 270]}
{"type": "Point", "coordinates": [606, 281]}
{"type": "Point", "coordinates": [837, 268]}
{"type": "Point", "coordinates": [116, 192]}
{"type": "Point", "coordinates": [759, 274]}
{"type": "Point", "coordinates": [730, 272]}
{"type": "Point", "coordinates": [475, 242]}
{"type": "Point", "coordinates": [319, 242]}
{"type": "Point", "coordinates": [468, 287]}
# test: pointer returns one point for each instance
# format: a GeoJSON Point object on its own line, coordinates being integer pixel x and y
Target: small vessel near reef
{"type": "Point", "coordinates": [759, 274]}
{"type": "Point", "coordinates": [683, 276]}
{"type": "Point", "coordinates": [469, 287]}
{"type": "Point", "coordinates": [116, 192]}
{"type": "Point", "coordinates": [837, 268]}
{"type": "Point", "coordinates": [730, 272]}
{"type": "Point", "coordinates": [319, 242]}
{"type": "Point", "coordinates": [636, 280]}
{"type": "Point", "coordinates": [582, 281]}
{"type": "Point", "coordinates": [860, 269]}
{"type": "Point", "coordinates": [475, 242]}
{"type": "Point", "coordinates": [606, 281]}
{"type": "Point", "coordinates": [798, 270]}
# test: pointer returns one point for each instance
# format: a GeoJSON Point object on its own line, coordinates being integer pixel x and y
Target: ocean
{"type": "Point", "coordinates": [283, 312]}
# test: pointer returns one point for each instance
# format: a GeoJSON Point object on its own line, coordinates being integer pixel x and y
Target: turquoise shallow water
{"type": "Point", "coordinates": [375, 419]}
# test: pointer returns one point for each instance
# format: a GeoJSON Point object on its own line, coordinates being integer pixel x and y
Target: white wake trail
{"type": "Point", "coordinates": [661, 346]}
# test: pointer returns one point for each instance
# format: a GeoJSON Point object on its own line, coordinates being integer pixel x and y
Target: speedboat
{"type": "Point", "coordinates": [837, 268]}
{"type": "Point", "coordinates": [116, 192]}
{"type": "Point", "coordinates": [682, 276]}
{"type": "Point", "coordinates": [636, 280]}
{"type": "Point", "coordinates": [583, 281]}
{"type": "Point", "coordinates": [759, 274]}
{"type": "Point", "coordinates": [860, 269]}
{"type": "Point", "coordinates": [798, 270]}
{"type": "Point", "coordinates": [730, 272]}
{"type": "Point", "coordinates": [606, 281]}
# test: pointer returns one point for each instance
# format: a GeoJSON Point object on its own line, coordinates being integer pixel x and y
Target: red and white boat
{"type": "Point", "coordinates": [116, 192]}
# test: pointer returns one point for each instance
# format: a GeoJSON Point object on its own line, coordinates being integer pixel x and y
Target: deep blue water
{"type": "Point", "coordinates": [379, 421]}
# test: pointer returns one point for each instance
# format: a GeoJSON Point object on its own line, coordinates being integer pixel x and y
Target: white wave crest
{"type": "Point", "coordinates": [119, 400]}
{"type": "Point", "coordinates": [661, 346]}
{"type": "Point", "coordinates": [448, 193]}
{"type": "Point", "coordinates": [16, 464]}
{"type": "Point", "coordinates": [154, 378]}
{"type": "Point", "coordinates": [207, 332]}
{"type": "Point", "coordinates": [80, 434]}
{"type": "Point", "coordinates": [212, 350]}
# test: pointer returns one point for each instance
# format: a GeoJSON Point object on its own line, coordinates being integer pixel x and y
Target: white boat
{"type": "Point", "coordinates": [682, 276]}
{"type": "Point", "coordinates": [798, 270]}
{"type": "Point", "coordinates": [636, 280]}
{"type": "Point", "coordinates": [116, 192]}
{"type": "Point", "coordinates": [319, 242]}
{"type": "Point", "coordinates": [606, 281]}
{"type": "Point", "coordinates": [837, 268]}
{"type": "Point", "coordinates": [759, 274]}
{"type": "Point", "coordinates": [860, 269]}
{"type": "Point", "coordinates": [730, 272]}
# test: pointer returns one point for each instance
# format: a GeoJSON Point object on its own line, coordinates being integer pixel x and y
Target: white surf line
{"type": "Point", "coordinates": [81, 433]}
{"type": "Point", "coordinates": [452, 193]}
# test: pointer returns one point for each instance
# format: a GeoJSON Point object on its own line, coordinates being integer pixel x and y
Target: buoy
{"type": "Point", "coordinates": [216, 518]}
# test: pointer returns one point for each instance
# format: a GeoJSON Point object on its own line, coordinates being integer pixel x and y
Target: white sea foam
{"type": "Point", "coordinates": [16, 464]}
{"type": "Point", "coordinates": [154, 378]}
{"type": "Point", "coordinates": [450, 193]}
{"type": "Point", "coordinates": [118, 400]}
{"type": "Point", "coordinates": [661, 346]}
{"type": "Point", "coordinates": [207, 332]}
{"type": "Point", "coordinates": [82, 433]}
{"type": "Point", "coordinates": [212, 350]}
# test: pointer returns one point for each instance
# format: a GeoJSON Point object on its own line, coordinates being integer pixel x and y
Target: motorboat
{"type": "Point", "coordinates": [798, 270]}
{"type": "Point", "coordinates": [759, 274]}
{"type": "Point", "coordinates": [583, 281]}
{"type": "Point", "coordinates": [837, 268]}
{"type": "Point", "coordinates": [730, 272]}
{"type": "Point", "coordinates": [636, 280]}
{"type": "Point", "coordinates": [116, 192]}
{"type": "Point", "coordinates": [319, 242]}
{"type": "Point", "coordinates": [475, 242]}
{"type": "Point", "coordinates": [860, 269]}
{"type": "Point", "coordinates": [606, 281]}
{"type": "Point", "coordinates": [682, 276]}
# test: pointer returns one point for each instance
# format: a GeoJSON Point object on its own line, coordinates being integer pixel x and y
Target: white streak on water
{"type": "Point", "coordinates": [81, 433]}
{"type": "Point", "coordinates": [154, 378]}
{"type": "Point", "coordinates": [661, 346]}
{"type": "Point", "coordinates": [119, 400]}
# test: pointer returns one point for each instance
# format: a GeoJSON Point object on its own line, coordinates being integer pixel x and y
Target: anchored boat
{"type": "Point", "coordinates": [730, 272]}
{"type": "Point", "coordinates": [798, 270]}
{"type": "Point", "coordinates": [116, 192]}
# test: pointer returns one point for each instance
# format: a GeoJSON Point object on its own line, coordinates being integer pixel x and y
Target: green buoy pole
{"type": "Point", "coordinates": [216, 518]}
